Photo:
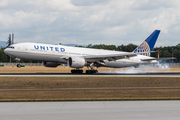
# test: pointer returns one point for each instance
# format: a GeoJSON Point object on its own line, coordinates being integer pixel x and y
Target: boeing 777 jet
{"type": "Point", "coordinates": [77, 57]}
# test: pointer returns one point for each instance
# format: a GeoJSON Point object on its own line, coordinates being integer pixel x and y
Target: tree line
{"type": "Point", "coordinates": [166, 51]}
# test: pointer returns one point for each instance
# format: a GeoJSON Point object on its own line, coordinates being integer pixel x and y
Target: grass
{"type": "Point", "coordinates": [89, 93]}
{"type": "Point", "coordinates": [82, 82]}
{"type": "Point", "coordinates": [98, 99]}
{"type": "Point", "coordinates": [95, 88]}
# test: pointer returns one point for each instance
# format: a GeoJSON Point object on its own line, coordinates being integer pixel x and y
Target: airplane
{"type": "Point", "coordinates": [77, 57]}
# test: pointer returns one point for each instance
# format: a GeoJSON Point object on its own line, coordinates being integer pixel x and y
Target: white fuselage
{"type": "Point", "coordinates": [59, 53]}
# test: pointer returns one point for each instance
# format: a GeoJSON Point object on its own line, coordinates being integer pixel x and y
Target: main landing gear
{"type": "Point", "coordinates": [76, 71]}
{"type": "Point", "coordinates": [91, 71]}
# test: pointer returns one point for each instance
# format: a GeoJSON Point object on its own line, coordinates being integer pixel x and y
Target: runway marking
{"type": "Point", "coordinates": [90, 107]}
{"type": "Point", "coordinates": [153, 74]}
{"type": "Point", "coordinates": [90, 75]}
{"type": "Point", "coordinates": [101, 88]}
{"type": "Point", "coordinates": [53, 116]}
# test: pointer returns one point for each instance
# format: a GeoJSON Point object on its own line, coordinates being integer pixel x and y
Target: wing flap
{"type": "Point", "coordinates": [170, 58]}
{"type": "Point", "coordinates": [112, 56]}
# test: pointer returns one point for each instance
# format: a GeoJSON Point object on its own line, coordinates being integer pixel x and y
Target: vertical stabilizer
{"type": "Point", "coordinates": [148, 44]}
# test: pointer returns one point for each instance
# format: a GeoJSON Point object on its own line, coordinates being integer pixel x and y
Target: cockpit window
{"type": "Point", "coordinates": [11, 47]}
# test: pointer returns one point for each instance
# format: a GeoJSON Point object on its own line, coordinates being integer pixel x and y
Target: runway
{"type": "Point", "coordinates": [106, 110]}
{"type": "Point", "coordinates": [149, 74]}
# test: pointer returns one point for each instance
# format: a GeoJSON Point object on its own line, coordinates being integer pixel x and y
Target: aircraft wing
{"type": "Point", "coordinates": [170, 58]}
{"type": "Point", "coordinates": [111, 57]}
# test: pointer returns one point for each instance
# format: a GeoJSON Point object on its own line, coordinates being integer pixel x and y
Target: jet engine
{"type": "Point", "coordinates": [76, 62]}
{"type": "Point", "coordinates": [50, 64]}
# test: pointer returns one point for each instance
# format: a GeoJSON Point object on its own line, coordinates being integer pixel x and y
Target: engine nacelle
{"type": "Point", "coordinates": [76, 62]}
{"type": "Point", "coordinates": [50, 64]}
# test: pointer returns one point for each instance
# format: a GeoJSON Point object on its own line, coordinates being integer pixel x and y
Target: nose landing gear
{"type": "Point", "coordinates": [18, 65]}
{"type": "Point", "coordinates": [18, 60]}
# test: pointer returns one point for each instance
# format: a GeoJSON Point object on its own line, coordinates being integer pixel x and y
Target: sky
{"type": "Point", "coordinates": [86, 22]}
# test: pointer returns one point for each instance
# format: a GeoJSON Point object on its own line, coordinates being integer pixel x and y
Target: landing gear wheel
{"type": "Point", "coordinates": [18, 65]}
{"type": "Point", "coordinates": [77, 71]}
{"type": "Point", "coordinates": [91, 71]}
{"type": "Point", "coordinates": [88, 71]}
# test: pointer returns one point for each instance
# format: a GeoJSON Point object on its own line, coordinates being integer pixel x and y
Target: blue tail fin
{"type": "Point", "coordinates": [148, 44]}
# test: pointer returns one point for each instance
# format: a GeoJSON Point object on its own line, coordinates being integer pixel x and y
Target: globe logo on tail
{"type": "Point", "coordinates": [144, 47]}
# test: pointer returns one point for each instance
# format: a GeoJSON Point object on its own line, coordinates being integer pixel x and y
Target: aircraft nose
{"type": "Point", "coordinates": [6, 51]}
